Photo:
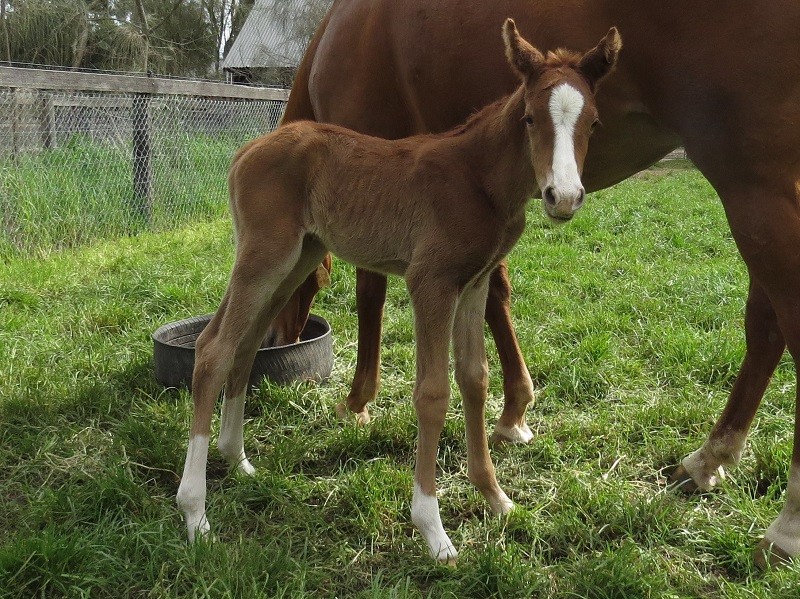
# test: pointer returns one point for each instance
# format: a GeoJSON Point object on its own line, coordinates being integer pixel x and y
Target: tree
{"type": "Point", "coordinates": [166, 36]}
{"type": "Point", "coordinates": [225, 18]}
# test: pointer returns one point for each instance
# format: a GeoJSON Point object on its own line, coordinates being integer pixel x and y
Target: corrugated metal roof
{"type": "Point", "coordinates": [266, 38]}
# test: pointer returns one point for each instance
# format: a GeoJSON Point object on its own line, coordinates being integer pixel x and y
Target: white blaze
{"type": "Point", "coordinates": [566, 105]}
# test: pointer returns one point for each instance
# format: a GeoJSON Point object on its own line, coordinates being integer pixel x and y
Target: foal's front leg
{"type": "Point", "coordinates": [517, 384]}
{"type": "Point", "coordinates": [434, 306]}
{"type": "Point", "coordinates": [472, 376]}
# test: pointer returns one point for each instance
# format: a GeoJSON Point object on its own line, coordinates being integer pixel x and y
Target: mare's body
{"type": "Point", "coordinates": [722, 80]}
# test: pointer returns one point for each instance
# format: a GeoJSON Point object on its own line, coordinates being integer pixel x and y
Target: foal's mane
{"type": "Point", "coordinates": [560, 58]}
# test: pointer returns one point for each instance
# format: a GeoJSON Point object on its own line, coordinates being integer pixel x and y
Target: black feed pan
{"type": "Point", "coordinates": [309, 359]}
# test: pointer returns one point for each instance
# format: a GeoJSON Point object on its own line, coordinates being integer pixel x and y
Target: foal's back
{"type": "Point", "coordinates": [373, 202]}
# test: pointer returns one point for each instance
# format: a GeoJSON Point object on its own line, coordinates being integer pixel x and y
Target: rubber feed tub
{"type": "Point", "coordinates": [309, 359]}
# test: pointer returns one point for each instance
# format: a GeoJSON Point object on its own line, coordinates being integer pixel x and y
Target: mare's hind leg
{"type": "Point", "coordinates": [765, 345]}
{"type": "Point", "coordinates": [262, 279]}
{"type": "Point", "coordinates": [517, 384]}
{"type": "Point", "coordinates": [370, 298]}
{"type": "Point", "coordinates": [766, 228]}
{"type": "Point", "coordinates": [472, 376]}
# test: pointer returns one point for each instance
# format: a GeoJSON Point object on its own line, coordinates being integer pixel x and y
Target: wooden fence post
{"type": "Point", "coordinates": [142, 169]}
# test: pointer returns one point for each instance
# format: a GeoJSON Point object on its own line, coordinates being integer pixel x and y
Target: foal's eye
{"type": "Point", "coordinates": [528, 119]}
{"type": "Point", "coordinates": [594, 125]}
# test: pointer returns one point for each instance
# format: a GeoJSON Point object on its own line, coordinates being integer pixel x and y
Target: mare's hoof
{"type": "Point", "coordinates": [681, 480]}
{"type": "Point", "coordinates": [343, 413]}
{"type": "Point", "coordinates": [768, 555]}
{"type": "Point", "coordinates": [517, 434]}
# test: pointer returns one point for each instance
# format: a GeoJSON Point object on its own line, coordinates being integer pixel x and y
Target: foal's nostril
{"type": "Point", "coordinates": [581, 198]}
{"type": "Point", "coordinates": [549, 196]}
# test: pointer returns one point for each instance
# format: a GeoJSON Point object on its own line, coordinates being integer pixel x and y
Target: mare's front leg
{"type": "Point", "coordinates": [517, 384]}
{"type": "Point", "coordinates": [472, 376]}
{"type": "Point", "coordinates": [370, 298]}
{"type": "Point", "coordinates": [434, 307]}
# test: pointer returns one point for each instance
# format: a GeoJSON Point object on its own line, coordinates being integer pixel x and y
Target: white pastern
{"type": "Point", "coordinates": [566, 105]}
{"type": "Point", "coordinates": [191, 496]}
{"type": "Point", "coordinates": [500, 503]}
{"type": "Point", "coordinates": [230, 441]}
{"type": "Point", "coordinates": [516, 434]}
{"type": "Point", "coordinates": [705, 465]}
{"type": "Point", "coordinates": [785, 530]}
{"type": "Point", "coordinates": [425, 516]}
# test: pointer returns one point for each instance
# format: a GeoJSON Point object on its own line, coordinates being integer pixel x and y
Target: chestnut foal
{"type": "Point", "coordinates": [441, 211]}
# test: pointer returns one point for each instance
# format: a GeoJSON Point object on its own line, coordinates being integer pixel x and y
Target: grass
{"type": "Point", "coordinates": [83, 192]}
{"type": "Point", "coordinates": [629, 317]}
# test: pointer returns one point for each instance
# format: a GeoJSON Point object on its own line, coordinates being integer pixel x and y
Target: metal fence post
{"type": "Point", "coordinates": [15, 118]}
{"type": "Point", "coordinates": [47, 121]}
{"type": "Point", "coordinates": [142, 169]}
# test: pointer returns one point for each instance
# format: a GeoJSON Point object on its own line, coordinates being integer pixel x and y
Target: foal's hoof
{"type": "Point", "coordinates": [518, 434]}
{"type": "Point", "coordinates": [681, 480]}
{"type": "Point", "coordinates": [447, 556]}
{"type": "Point", "coordinates": [362, 418]}
{"type": "Point", "coordinates": [768, 555]}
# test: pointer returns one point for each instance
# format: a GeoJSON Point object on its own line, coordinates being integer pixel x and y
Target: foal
{"type": "Point", "coordinates": [439, 210]}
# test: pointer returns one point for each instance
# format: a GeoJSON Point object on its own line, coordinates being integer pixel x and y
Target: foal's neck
{"type": "Point", "coordinates": [494, 142]}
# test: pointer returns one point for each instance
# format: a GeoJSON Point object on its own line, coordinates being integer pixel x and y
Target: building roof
{"type": "Point", "coordinates": [267, 38]}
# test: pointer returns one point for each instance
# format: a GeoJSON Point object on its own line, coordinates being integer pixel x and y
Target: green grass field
{"type": "Point", "coordinates": [82, 192]}
{"type": "Point", "coordinates": [630, 318]}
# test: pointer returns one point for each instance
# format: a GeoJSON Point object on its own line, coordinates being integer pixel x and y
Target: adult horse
{"type": "Point", "coordinates": [724, 83]}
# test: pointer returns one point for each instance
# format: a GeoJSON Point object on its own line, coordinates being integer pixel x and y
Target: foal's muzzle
{"type": "Point", "coordinates": [562, 204]}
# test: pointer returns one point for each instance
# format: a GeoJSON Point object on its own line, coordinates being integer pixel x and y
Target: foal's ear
{"type": "Point", "coordinates": [526, 60]}
{"type": "Point", "coordinates": [600, 60]}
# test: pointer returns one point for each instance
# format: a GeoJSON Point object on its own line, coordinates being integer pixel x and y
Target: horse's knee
{"type": "Point", "coordinates": [472, 377]}
{"type": "Point", "coordinates": [431, 400]}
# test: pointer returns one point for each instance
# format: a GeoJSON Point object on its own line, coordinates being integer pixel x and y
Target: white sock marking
{"type": "Point", "coordinates": [191, 496]}
{"type": "Point", "coordinates": [425, 516]}
{"type": "Point", "coordinates": [230, 435]}
{"type": "Point", "coordinates": [566, 105]}
{"type": "Point", "coordinates": [785, 530]}
{"type": "Point", "coordinates": [705, 464]}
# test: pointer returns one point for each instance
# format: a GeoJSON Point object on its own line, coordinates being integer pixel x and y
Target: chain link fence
{"type": "Point", "coordinates": [99, 158]}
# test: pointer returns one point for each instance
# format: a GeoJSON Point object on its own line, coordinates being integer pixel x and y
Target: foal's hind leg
{"type": "Point", "coordinates": [472, 376]}
{"type": "Point", "coordinates": [257, 290]}
{"type": "Point", "coordinates": [765, 345]}
{"type": "Point", "coordinates": [517, 384]}
{"type": "Point", "coordinates": [230, 443]}
{"type": "Point", "coordinates": [231, 433]}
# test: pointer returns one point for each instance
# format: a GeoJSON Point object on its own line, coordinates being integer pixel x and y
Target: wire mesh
{"type": "Point", "coordinates": [80, 166]}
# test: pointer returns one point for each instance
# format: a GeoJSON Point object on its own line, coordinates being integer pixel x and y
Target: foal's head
{"type": "Point", "coordinates": [560, 113]}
